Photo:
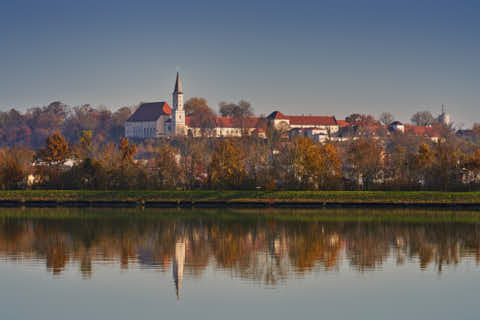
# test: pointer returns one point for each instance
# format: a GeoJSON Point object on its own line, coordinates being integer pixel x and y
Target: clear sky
{"type": "Point", "coordinates": [314, 57]}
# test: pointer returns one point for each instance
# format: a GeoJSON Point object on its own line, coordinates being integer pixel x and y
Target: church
{"type": "Point", "coordinates": [157, 119]}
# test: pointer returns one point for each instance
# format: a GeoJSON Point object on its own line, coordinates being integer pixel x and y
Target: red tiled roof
{"type": "Point", "coordinates": [422, 131]}
{"type": "Point", "coordinates": [312, 120]}
{"type": "Point", "coordinates": [150, 111]}
{"type": "Point", "coordinates": [226, 122]}
{"type": "Point", "coordinates": [342, 123]}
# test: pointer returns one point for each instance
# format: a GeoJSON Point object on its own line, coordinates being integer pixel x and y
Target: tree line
{"type": "Point", "coordinates": [58, 147]}
{"type": "Point", "coordinates": [31, 128]}
{"type": "Point", "coordinates": [275, 163]}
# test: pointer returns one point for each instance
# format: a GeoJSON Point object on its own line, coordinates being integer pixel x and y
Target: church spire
{"type": "Point", "coordinates": [178, 85]}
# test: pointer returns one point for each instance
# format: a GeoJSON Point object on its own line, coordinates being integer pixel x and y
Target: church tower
{"type": "Point", "coordinates": [178, 119]}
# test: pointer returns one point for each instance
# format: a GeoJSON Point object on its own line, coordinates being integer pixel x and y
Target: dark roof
{"type": "Point", "coordinates": [178, 85]}
{"type": "Point", "coordinates": [150, 111]}
{"type": "Point", "coordinates": [276, 115]}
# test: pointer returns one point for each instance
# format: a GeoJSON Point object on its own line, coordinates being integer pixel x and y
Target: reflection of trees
{"type": "Point", "coordinates": [262, 250]}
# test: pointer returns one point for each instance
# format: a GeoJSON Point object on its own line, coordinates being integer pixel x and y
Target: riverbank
{"type": "Point", "coordinates": [254, 199]}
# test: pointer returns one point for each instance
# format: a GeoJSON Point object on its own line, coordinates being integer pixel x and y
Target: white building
{"type": "Point", "coordinates": [318, 128]}
{"type": "Point", "coordinates": [157, 119]}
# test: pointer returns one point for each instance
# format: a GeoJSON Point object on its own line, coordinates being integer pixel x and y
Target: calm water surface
{"type": "Point", "coordinates": [141, 264]}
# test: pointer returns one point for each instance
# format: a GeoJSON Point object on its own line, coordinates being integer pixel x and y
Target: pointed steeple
{"type": "Point", "coordinates": [178, 85]}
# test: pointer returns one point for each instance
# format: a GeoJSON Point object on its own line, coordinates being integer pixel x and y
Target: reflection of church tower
{"type": "Point", "coordinates": [178, 263]}
{"type": "Point", "coordinates": [178, 117]}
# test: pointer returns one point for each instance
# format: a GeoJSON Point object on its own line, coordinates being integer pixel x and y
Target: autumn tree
{"type": "Point", "coordinates": [15, 166]}
{"type": "Point", "coordinates": [168, 169]}
{"type": "Point", "coordinates": [315, 166]}
{"type": "Point", "coordinates": [86, 146]}
{"type": "Point", "coordinates": [201, 115]}
{"type": "Point", "coordinates": [365, 158]}
{"type": "Point", "coordinates": [56, 150]}
{"type": "Point", "coordinates": [227, 166]}
{"type": "Point", "coordinates": [52, 157]}
{"type": "Point", "coordinates": [195, 157]}
{"type": "Point", "coordinates": [45, 121]}
{"type": "Point", "coordinates": [14, 130]}
{"type": "Point", "coordinates": [472, 164]}
{"type": "Point", "coordinates": [447, 166]}
{"type": "Point", "coordinates": [424, 161]}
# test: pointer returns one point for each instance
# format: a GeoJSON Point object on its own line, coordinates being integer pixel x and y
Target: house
{"type": "Point", "coordinates": [325, 125]}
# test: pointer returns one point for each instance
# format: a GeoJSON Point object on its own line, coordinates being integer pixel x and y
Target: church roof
{"type": "Point", "coordinates": [178, 85]}
{"type": "Point", "coordinates": [150, 111]}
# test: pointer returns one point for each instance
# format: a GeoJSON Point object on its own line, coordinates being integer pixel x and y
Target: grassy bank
{"type": "Point", "coordinates": [305, 196]}
{"type": "Point", "coordinates": [246, 215]}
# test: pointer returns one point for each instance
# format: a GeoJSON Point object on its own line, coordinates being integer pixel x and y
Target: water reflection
{"type": "Point", "coordinates": [261, 248]}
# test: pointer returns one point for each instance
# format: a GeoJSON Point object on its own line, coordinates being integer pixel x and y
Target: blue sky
{"type": "Point", "coordinates": [312, 57]}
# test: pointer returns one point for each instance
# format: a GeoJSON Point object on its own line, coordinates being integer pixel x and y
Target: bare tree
{"type": "Point", "coordinates": [386, 118]}
{"type": "Point", "coordinates": [423, 118]}
{"type": "Point", "coordinates": [241, 110]}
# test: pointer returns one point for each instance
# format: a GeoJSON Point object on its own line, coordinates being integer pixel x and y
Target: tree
{"type": "Point", "coordinates": [201, 115]}
{"type": "Point", "coordinates": [195, 105]}
{"type": "Point", "coordinates": [51, 159]}
{"type": "Point", "coordinates": [365, 157]}
{"type": "Point", "coordinates": [167, 166]}
{"type": "Point", "coordinates": [447, 166]}
{"type": "Point", "coordinates": [241, 110]}
{"type": "Point", "coordinates": [45, 121]}
{"type": "Point", "coordinates": [227, 167]}
{"type": "Point", "coordinates": [361, 119]}
{"type": "Point", "coordinates": [315, 166]}
{"type": "Point", "coordinates": [195, 156]}
{"type": "Point", "coordinates": [86, 148]}
{"type": "Point", "coordinates": [423, 118]}
{"type": "Point", "coordinates": [15, 166]}
{"type": "Point", "coordinates": [127, 152]}
{"type": "Point", "coordinates": [56, 150]}
{"type": "Point", "coordinates": [386, 118]}
{"type": "Point", "coordinates": [472, 164]}
{"type": "Point", "coordinates": [422, 164]}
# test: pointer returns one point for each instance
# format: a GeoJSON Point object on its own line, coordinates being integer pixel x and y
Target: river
{"type": "Point", "coordinates": [238, 264]}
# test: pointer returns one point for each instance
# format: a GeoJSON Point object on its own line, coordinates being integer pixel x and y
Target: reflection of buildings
{"type": "Point", "coordinates": [178, 263]}
{"type": "Point", "coordinates": [250, 249]}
